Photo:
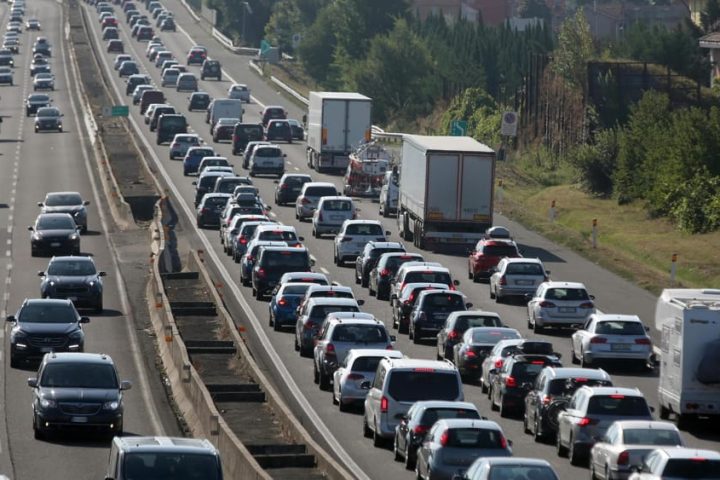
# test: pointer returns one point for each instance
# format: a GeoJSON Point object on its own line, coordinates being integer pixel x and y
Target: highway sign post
{"type": "Point", "coordinates": [458, 128]}
{"type": "Point", "coordinates": [116, 111]}
{"type": "Point", "coordinates": [509, 124]}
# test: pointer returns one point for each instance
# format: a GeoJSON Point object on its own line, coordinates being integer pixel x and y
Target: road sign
{"type": "Point", "coordinates": [264, 46]}
{"type": "Point", "coordinates": [458, 128]}
{"type": "Point", "coordinates": [120, 111]}
{"type": "Point", "coordinates": [509, 124]}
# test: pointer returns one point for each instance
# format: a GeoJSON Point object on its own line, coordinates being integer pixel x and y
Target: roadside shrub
{"type": "Point", "coordinates": [597, 162]}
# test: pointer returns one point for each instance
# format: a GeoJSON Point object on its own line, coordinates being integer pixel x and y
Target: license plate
{"type": "Point", "coordinates": [79, 419]}
{"type": "Point", "coordinates": [567, 309]}
{"type": "Point", "coordinates": [523, 282]}
{"type": "Point", "coordinates": [620, 347]}
{"type": "Point", "coordinates": [55, 244]}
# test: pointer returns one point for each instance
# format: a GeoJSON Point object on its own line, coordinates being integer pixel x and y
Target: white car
{"type": "Point", "coordinates": [170, 77]}
{"type": "Point", "coordinates": [353, 236]}
{"type": "Point", "coordinates": [559, 304]}
{"type": "Point", "coordinates": [330, 214]}
{"type": "Point", "coordinates": [239, 91]}
{"type": "Point", "coordinates": [490, 468]}
{"type": "Point", "coordinates": [119, 59]}
{"type": "Point", "coordinates": [182, 142]}
{"type": "Point", "coordinates": [359, 366]}
{"type": "Point", "coordinates": [310, 195]}
{"type": "Point", "coordinates": [517, 277]}
{"type": "Point", "coordinates": [679, 464]}
{"type": "Point", "coordinates": [626, 443]}
{"type": "Point", "coordinates": [496, 358]}
{"type": "Point", "coordinates": [612, 337]}
{"type": "Point", "coordinates": [267, 159]}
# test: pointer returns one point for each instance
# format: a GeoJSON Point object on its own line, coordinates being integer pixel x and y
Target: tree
{"type": "Point", "coordinates": [360, 21]}
{"type": "Point", "coordinates": [711, 15]}
{"type": "Point", "coordinates": [284, 22]}
{"type": "Point", "coordinates": [318, 45]}
{"type": "Point", "coordinates": [574, 50]}
{"type": "Point", "coordinates": [533, 9]}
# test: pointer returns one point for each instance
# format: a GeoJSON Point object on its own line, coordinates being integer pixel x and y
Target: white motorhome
{"type": "Point", "coordinates": [689, 322]}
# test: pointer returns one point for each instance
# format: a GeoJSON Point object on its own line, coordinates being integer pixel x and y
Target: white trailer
{"type": "Point", "coordinates": [338, 123]}
{"type": "Point", "coordinates": [689, 322]}
{"type": "Point", "coordinates": [225, 108]}
{"type": "Point", "coordinates": [446, 190]}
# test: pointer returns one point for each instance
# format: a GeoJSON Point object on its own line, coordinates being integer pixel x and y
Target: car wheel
{"type": "Point", "coordinates": [498, 298]}
{"type": "Point", "coordinates": [296, 344]}
{"type": "Point", "coordinates": [559, 448]}
{"type": "Point", "coordinates": [410, 460]}
{"type": "Point", "coordinates": [378, 441]}
{"type": "Point", "coordinates": [397, 457]}
{"type": "Point", "coordinates": [99, 306]}
{"type": "Point", "coordinates": [576, 457]}
{"type": "Point", "coordinates": [367, 433]}
{"type": "Point", "coordinates": [537, 433]}
{"type": "Point", "coordinates": [583, 362]}
{"type": "Point", "coordinates": [664, 412]}
{"type": "Point", "coordinates": [276, 325]}
{"type": "Point", "coordinates": [38, 432]}
{"type": "Point", "coordinates": [258, 294]}
{"type": "Point", "coordinates": [415, 338]}
{"type": "Point", "coordinates": [342, 406]}
{"type": "Point", "coordinates": [324, 381]}
{"type": "Point", "coordinates": [537, 328]}
{"type": "Point", "coordinates": [504, 410]}
{"type": "Point", "coordinates": [14, 363]}
{"type": "Point", "coordinates": [492, 293]}
{"type": "Point", "coordinates": [526, 427]}
{"type": "Point", "coordinates": [316, 375]}
{"type": "Point", "coordinates": [363, 281]}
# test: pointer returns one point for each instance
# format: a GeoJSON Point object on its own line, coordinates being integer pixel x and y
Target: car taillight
{"type": "Point", "coordinates": [284, 186]}
{"type": "Point", "coordinates": [305, 200]}
{"type": "Point", "coordinates": [445, 438]}
{"type": "Point", "coordinates": [320, 217]}
{"type": "Point", "coordinates": [598, 340]}
{"type": "Point", "coordinates": [249, 258]}
{"type": "Point", "coordinates": [242, 239]}
{"type": "Point", "coordinates": [453, 335]}
{"type": "Point", "coordinates": [503, 441]}
{"type": "Point", "coordinates": [587, 305]}
{"type": "Point", "coordinates": [330, 348]}
{"type": "Point", "coordinates": [346, 239]}
{"type": "Point", "coordinates": [546, 400]}
{"type": "Point", "coordinates": [547, 304]}
{"type": "Point", "coordinates": [623, 458]}
{"type": "Point", "coordinates": [499, 363]}
{"type": "Point", "coordinates": [510, 382]}
{"type": "Point", "coordinates": [585, 421]}
{"type": "Point", "coordinates": [204, 210]}
{"type": "Point", "coordinates": [384, 272]}
{"type": "Point", "coordinates": [469, 354]}
{"type": "Point", "coordinates": [383, 405]}
{"type": "Point", "coordinates": [261, 272]}
{"type": "Point", "coordinates": [420, 430]}
{"type": "Point", "coordinates": [502, 281]}
{"type": "Point", "coordinates": [642, 341]}
{"type": "Point", "coordinates": [355, 376]}
{"type": "Point", "coordinates": [451, 287]}
{"type": "Point", "coordinates": [282, 301]}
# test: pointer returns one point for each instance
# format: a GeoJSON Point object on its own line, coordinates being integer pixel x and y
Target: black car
{"type": "Point", "coordinates": [77, 390]}
{"type": "Point", "coordinates": [168, 25]}
{"type": "Point", "coordinates": [210, 208]}
{"type": "Point", "coordinates": [6, 59]}
{"type": "Point", "coordinates": [75, 279]}
{"type": "Point", "coordinates": [199, 101]}
{"type": "Point", "coordinates": [298, 131]}
{"type": "Point", "coordinates": [278, 130]}
{"type": "Point", "coordinates": [367, 260]}
{"type": "Point", "coordinates": [170, 125]}
{"type": "Point", "coordinates": [211, 69]}
{"type": "Point", "coordinates": [244, 133]}
{"type": "Point", "coordinates": [36, 101]}
{"type": "Point", "coordinates": [110, 33]}
{"type": "Point", "coordinates": [44, 325]}
{"type": "Point", "coordinates": [289, 187]}
{"type": "Point", "coordinates": [54, 232]}
{"type": "Point", "coordinates": [457, 324]}
{"type": "Point", "coordinates": [157, 112]}
{"type": "Point", "coordinates": [476, 344]}
{"type": "Point", "coordinates": [42, 48]}
{"type": "Point", "coordinates": [40, 68]}
{"type": "Point", "coordinates": [67, 202]}
{"type": "Point", "coordinates": [515, 379]}
{"type": "Point", "coordinates": [128, 68]}
{"type": "Point", "coordinates": [48, 118]}
{"type": "Point", "coordinates": [205, 184]}
{"type": "Point", "coordinates": [385, 269]}
{"type": "Point", "coordinates": [272, 263]}
{"type": "Point", "coordinates": [135, 80]}
{"type": "Point", "coordinates": [431, 310]}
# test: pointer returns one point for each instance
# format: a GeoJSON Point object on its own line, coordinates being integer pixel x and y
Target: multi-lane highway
{"type": "Point", "coordinates": [31, 165]}
{"type": "Point", "coordinates": [343, 430]}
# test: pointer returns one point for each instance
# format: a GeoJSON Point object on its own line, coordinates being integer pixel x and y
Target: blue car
{"type": "Point", "coordinates": [194, 156]}
{"type": "Point", "coordinates": [284, 303]}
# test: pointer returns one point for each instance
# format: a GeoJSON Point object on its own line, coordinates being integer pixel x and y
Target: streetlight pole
{"type": "Point", "coordinates": [244, 9]}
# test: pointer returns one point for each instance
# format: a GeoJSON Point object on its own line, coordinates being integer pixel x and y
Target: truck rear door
{"type": "Point", "coordinates": [333, 127]}
{"type": "Point", "coordinates": [476, 179]}
{"type": "Point", "coordinates": [358, 124]}
{"type": "Point", "coordinates": [442, 187]}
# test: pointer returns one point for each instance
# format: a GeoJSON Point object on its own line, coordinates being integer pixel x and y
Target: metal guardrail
{"type": "Point", "coordinates": [289, 90]}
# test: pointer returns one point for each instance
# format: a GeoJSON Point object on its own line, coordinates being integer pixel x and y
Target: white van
{"type": "Point", "coordinates": [689, 322]}
{"type": "Point", "coordinates": [389, 193]}
{"type": "Point", "coordinates": [398, 384]}
{"type": "Point", "coordinates": [225, 108]}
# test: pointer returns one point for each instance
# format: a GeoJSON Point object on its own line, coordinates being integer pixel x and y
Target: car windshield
{"type": "Point", "coordinates": [296, 181]}
{"type": "Point", "coordinates": [278, 235]}
{"type": "Point", "coordinates": [188, 140]}
{"type": "Point", "coordinates": [56, 223]}
{"type": "Point", "coordinates": [428, 277]}
{"type": "Point", "coordinates": [394, 262]}
{"type": "Point", "coordinates": [534, 472]}
{"type": "Point", "coordinates": [617, 405]}
{"type": "Point", "coordinates": [71, 267]}
{"type": "Point", "coordinates": [268, 152]}
{"type": "Point", "coordinates": [254, 132]}
{"type": "Point", "coordinates": [47, 313]}
{"type": "Point", "coordinates": [173, 121]}
{"type": "Point", "coordinates": [524, 269]}
{"type": "Point", "coordinates": [619, 328]}
{"type": "Point", "coordinates": [474, 438]}
{"type": "Point", "coordinates": [215, 202]}
{"type": "Point", "coordinates": [48, 112]}
{"type": "Point", "coordinates": [319, 312]}
{"type": "Point", "coordinates": [526, 371]}
{"type": "Point", "coordinates": [443, 301]}
{"type": "Point", "coordinates": [366, 364]}
{"type": "Point", "coordinates": [500, 250]}
{"type": "Point", "coordinates": [566, 294]}
{"type": "Point", "coordinates": [63, 199]}
{"type": "Point", "coordinates": [423, 384]}
{"type": "Point", "coordinates": [331, 293]}
{"type": "Point", "coordinates": [492, 336]}
{"type": "Point", "coordinates": [295, 289]}
{"type": "Point", "coordinates": [320, 192]}
{"type": "Point", "coordinates": [432, 415]}
{"type": "Point", "coordinates": [692, 468]}
{"type": "Point", "coordinates": [567, 386]}
{"type": "Point", "coordinates": [175, 465]}
{"type": "Point", "coordinates": [651, 436]}
{"type": "Point", "coordinates": [287, 259]}
{"type": "Point", "coordinates": [469, 321]}
{"type": "Point", "coordinates": [228, 186]}
{"type": "Point", "coordinates": [369, 229]}
{"type": "Point", "coordinates": [201, 152]}
{"type": "Point", "coordinates": [79, 375]}
{"type": "Point", "coordinates": [359, 334]}
{"type": "Point", "coordinates": [376, 252]}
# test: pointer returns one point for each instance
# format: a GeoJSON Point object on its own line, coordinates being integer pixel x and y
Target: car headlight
{"type": "Point", "coordinates": [17, 335]}
{"type": "Point", "coordinates": [52, 283]}
{"type": "Point", "coordinates": [37, 236]}
{"type": "Point", "coordinates": [113, 404]}
{"type": "Point", "coordinates": [47, 403]}
{"type": "Point", "coordinates": [74, 236]}
{"type": "Point", "coordinates": [77, 335]}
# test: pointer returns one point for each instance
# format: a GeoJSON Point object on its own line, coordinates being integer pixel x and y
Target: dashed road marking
{"type": "Point", "coordinates": [324, 270]}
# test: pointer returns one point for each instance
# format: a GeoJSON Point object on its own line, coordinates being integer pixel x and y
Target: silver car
{"type": "Point", "coordinates": [493, 468]}
{"type": "Point", "coordinates": [187, 82]}
{"type": "Point", "coordinates": [612, 337]}
{"type": "Point", "coordinates": [590, 412]}
{"type": "Point", "coordinates": [626, 443]}
{"type": "Point", "coordinates": [330, 214]}
{"type": "Point", "coordinates": [6, 75]}
{"type": "Point", "coordinates": [452, 445]}
{"type": "Point", "coordinates": [559, 304]}
{"type": "Point", "coordinates": [67, 202]}
{"type": "Point", "coordinates": [239, 91]}
{"type": "Point", "coordinates": [309, 197]}
{"type": "Point", "coordinates": [516, 277]}
{"type": "Point", "coordinates": [359, 366]}
{"type": "Point", "coordinates": [353, 236]}
{"type": "Point", "coordinates": [182, 141]}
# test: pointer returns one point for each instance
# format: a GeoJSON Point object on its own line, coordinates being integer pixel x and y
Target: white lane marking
{"type": "Point", "coordinates": [296, 168]}
{"type": "Point", "coordinates": [273, 214]}
{"type": "Point", "coordinates": [324, 270]}
{"type": "Point", "coordinates": [305, 405]}
{"type": "Point", "coordinates": [134, 347]}
{"type": "Point", "coordinates": [8, 253]}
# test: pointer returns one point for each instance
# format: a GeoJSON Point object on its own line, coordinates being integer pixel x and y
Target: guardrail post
{"type": "Point", "coordinates": [552, 212]}
{"type": "Point", "coordinates": [594, 233]}
{"type": "Point", "coordinates": [673, 268]}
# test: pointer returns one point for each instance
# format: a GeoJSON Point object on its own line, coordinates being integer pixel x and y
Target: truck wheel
{"type": "Point", "coordinates": [664, 412]}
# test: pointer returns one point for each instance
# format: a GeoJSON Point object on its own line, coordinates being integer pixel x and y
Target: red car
{"type": "Point", "coordinates": [109, 22]}
{"type": "Point", "coordinates": [196, 56]}
{"type": "Point", "coordinates": [487, 254]}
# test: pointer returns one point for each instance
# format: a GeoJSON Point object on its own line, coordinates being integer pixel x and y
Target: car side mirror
{"type": "Point", "coordinates": [652, 409]}
{"type": "Point", "coordinates": [86, 202]}
{"type": "Point", "coordinates": [557, 354]}
{"type": "Point", "coordinates": [125, 385]}
{"type": "Point", "coordinates": [302, 239]}
{"type": "Point", "coordinates": [647, 329]}
{"type": "Point", "coordinates": [456, 282]}
{"type": "Point", "coordinates": [31, 229]}
{"type": "Point", "coordinates": [32, 382]}
{"type": "Point", "coordinates": [84, 320]}
{"type": "Point", "coordinates": [492, 371]}
{"type": "Point", "coordinates": [393, 338]}
{"type": "Point", "coordinates": [365, 385]}
{"type": "Point", "coordinates": [312, 262]}
{"type": "Point", "coordinates": [592, 297]}
{"type": "Point", "coordinates": [276, 181]}
{"type": "Point", "coordinates": [102, 274]}
{"type": "Point", "coordinates": [40, 204]}
{"type": "Point", "coordinates": [509, 442]}
{"type": "Point", "coordinates": [548, 272]}
{"type": "Point", "coordinates": [361, 302]}
{"type": "Point", "coordinates": [269, 207]}
{"type": "Point", "coordinates": [10, 318]}
{"type": "Point", "coordinates": [41, 273]}
{"type": "Point", "coordinates": [194, 183]}
{"type": "Point", "coordinates": [387, 233]}
{"type": "Point", "coordinates": [284, 155]}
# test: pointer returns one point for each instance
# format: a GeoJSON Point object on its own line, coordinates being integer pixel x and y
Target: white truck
{"type": "Point", "coordinates": [689, 322]}
{"type": "Point", "coordinates": [338, 123]}
{"type": "Point", "coordinates": [446, 190]}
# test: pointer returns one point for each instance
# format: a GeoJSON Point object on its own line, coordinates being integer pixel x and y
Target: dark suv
{"type": "Point", "coordinates": [211, 69]}
{"type": "Point", "coordinates": [273, 262]}
{"type": "Point", "coordinates": [367, 260]}
{"type": "Point", "coordinates": [431, 310]}
{"type": "Point", "coordinates": [243, 133]}
{"type": "Point", "coordinates": [77, 390]}
{"type": "Point", "coordinates": [515, 379]}
{"type": "Point", "coordinates": [43, 325]}
{"type": "Point", "coordinates": [74, 278]}
{"type": "Point", "coordinates": [169, 125]}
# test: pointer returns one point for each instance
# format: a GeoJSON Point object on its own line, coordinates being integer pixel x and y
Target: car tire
{"type": "Point", "coordinates": [492, 293]}
{"type": "Point", "coordinates": [363, 281]}
{"type": "Point", "coordinates": [573, 358]}
{"type": "Point", "coordinates": [663, 412]}
{"type": "Point", "coordinates": [367, 433]}
{"type": "Point", "coordinates": [38, 432]}
{"type": "Point", "coordinates": [537, 328]}
{"type": "Point", "coordinates": [576, 457]}
{"type": "Point", "coordinates": [99, 306]}
{"type": "Point", "coordinates": [258, 294]}
{"type": "Point", "coordinates": [378, 441]}
{"type": "Point", "coordinates": [504, 410]}
{"type": "Point", "coordinates": [584, 363]}
{"type": "Point", "coordinates": [316, 374]}
{"type": "Point", "coordinates": [410, 460]}
{"type": "Point", "coordinates": [14, 362]}
{"type": "Point", "coordinates": [324, 380]}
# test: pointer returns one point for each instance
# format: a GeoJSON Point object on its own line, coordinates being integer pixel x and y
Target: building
{"type": "Point", "coordinates": [609, 20]}
{"type": "Point", "coordinates": [490, 12]}
{"type": "Point", "coordinates": [711, 41]}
